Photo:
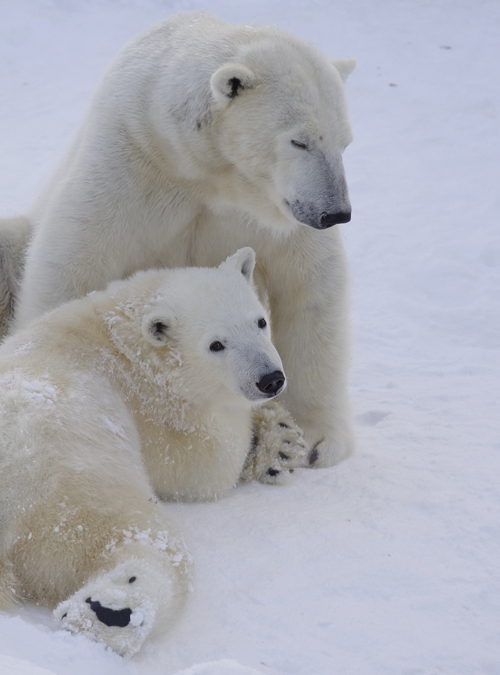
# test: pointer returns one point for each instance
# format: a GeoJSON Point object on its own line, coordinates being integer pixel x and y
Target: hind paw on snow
{"type": "Point", "coordinates": [278, 446]}
{"type": "Point", "coordinates": [112, 617]}
{"type": "Point", "coordinates": [109, 612]}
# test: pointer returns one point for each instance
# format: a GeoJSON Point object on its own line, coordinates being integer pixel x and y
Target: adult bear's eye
{"type": "Point", "coordinates": [299, 144]}
{"type": "Point", "coordinates": [216, 346]}
{"type": "Point", "coordinates": [262, 323]}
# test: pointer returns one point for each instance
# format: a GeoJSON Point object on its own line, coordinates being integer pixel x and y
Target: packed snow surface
{"type": "Point", "coordinates": [389, 563]}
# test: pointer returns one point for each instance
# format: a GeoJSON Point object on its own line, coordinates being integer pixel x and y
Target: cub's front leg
{"type": "Point", "coordinates": [278, 446]}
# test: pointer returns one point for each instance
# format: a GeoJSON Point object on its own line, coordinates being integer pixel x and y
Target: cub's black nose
{"type": "Point", "coordinates": [272, 383]}
{"type": "Point", "coordinates": [329, 219]}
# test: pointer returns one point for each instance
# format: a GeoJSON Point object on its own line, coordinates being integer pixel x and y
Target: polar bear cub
{"type": "Point", "coordinates": [145, 390]}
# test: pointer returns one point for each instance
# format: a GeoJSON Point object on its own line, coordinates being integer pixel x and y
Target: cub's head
{"type": "Point", "coordinates": [213, 323]}
{"type": "Point", "coordinates": [280, 121]}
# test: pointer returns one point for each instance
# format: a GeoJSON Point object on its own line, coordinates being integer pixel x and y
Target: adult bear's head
{"type": "Point", "coordinates": [280, 121]}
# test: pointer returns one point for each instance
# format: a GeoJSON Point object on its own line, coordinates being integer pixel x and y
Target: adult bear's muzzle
{"type": "Point", "coordinates": [308, 214]}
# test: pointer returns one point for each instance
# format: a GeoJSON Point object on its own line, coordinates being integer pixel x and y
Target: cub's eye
{"type": "Point", "coordinates": [261, 323]}
{"type": "Point", "coordinates": [216, 346]}
{"type": "Point", "coordinates": [299, 144]}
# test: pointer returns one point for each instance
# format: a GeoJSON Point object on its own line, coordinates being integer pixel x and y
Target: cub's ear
{"type": "Point", "coordinates": [155, 329]}
{"type": "Point", "coordinates": [228, 81]}
{"type": "Point", "coordinates": [344, 66]}
{"type": "Point", "coordinates": [244, 261]}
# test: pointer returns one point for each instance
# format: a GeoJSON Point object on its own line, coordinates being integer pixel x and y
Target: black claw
{"type": "Point", "coordinates": [283, 456]}
{"type": "Point", "coordinates": [273, 472]}
{"type": "Point", "coordinates": [313, 457]}
{"type": "Point", "coordinates": [64, 615]}
{"type": "Point", "coordinates": [283, 425]}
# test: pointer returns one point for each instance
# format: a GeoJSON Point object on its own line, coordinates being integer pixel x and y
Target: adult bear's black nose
{"type": "Point", "coordinates": [329, 219]}
{"type": "Point", "coordinates": [272, 383]}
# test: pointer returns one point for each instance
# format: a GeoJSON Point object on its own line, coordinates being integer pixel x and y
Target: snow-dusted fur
{"type": "Point", "coordinates": [204, 137]}
{"type": "Point", "coordinates": [142, 391]}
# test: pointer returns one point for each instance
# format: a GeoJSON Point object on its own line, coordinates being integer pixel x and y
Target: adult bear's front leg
{"type": "Point", "coordinates": [307, 283]}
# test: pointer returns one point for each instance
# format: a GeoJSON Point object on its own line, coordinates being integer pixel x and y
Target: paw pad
{"type": "Point", "coordinates": [110, 617]}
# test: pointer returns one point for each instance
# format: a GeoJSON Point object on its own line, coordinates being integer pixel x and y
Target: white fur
{"type": "Point", "coordinates": [109, 402]}
{"type": "Point", "coordinates": [173, 166]}
{"type": "Point", "coordinates": [14, 237]}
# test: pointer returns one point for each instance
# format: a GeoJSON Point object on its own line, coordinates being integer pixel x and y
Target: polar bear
{"type": "Point", "coordinates": [140, 392]}
{"type": "Point", "coordinates": [204, 137]}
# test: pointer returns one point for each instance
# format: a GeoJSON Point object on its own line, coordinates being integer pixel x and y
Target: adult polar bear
{"type": "Point", "coordinates": [202, 138]}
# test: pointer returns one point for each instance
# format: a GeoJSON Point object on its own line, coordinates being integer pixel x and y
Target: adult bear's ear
{"type": "Point", "coordinates": [244, 261]}
{"type": "Point", "coordinates": [229, 81]}
{"type": "Point", "coordinates": [344, 66]}
{"type": "Point", "coordinates": [155, 329]}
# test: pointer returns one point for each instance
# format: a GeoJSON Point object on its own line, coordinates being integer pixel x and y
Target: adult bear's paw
{"type": "Point", "coordinates": [278, 446]}
{"type": "Point", "coordinates": [326, 452]}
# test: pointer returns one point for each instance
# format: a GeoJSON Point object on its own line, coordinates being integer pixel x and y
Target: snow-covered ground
{"type": "Point", "coordinates": [388, 564]}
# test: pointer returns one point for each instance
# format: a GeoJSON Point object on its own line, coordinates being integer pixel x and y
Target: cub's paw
{"type": "Point", "coordinates": [278, 446]}
{"type": "Point", "coordinates": [112, 608]}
